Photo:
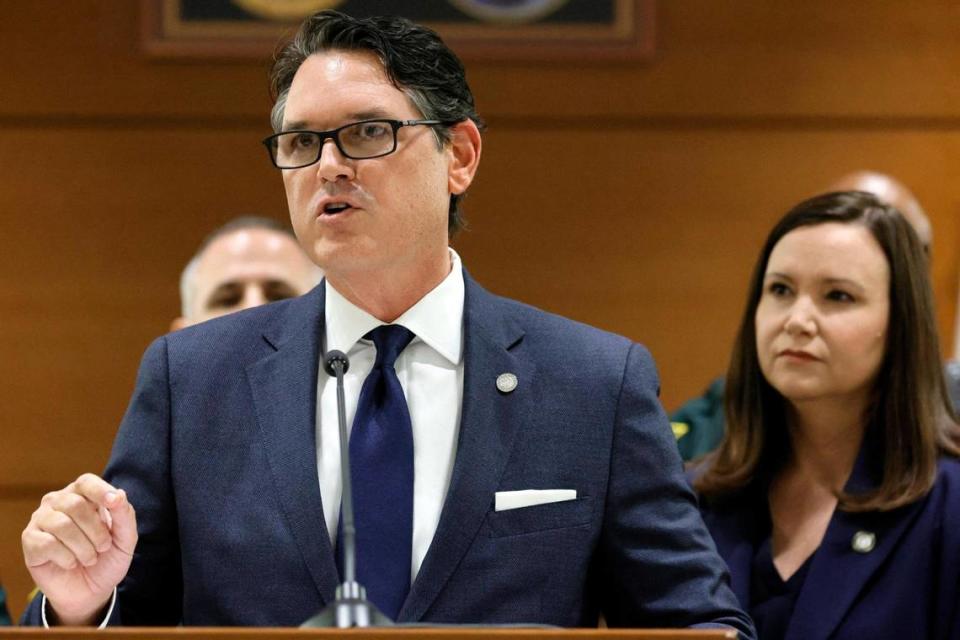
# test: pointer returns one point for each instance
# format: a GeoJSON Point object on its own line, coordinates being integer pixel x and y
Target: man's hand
{"type": "Point", "coordinates": [78, 547]}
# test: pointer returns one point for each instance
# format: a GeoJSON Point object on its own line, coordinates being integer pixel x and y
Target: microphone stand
{"type": "Point", "coordinates": [350, 608]}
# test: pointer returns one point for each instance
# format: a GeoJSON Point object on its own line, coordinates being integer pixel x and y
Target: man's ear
{"type": "Point", "coordinates": [465, 155]}
{"type": "Point", "coordinates": [178, 323]}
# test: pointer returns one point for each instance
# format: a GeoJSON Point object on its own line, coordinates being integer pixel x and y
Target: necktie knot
{"type": "Point", "coordinates": [390, 340]}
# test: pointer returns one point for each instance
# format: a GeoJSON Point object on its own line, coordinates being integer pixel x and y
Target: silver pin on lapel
{"type": "Point", "coordinates": [863, 541]}
{"type": "Point", "coordinates": [506, 382]}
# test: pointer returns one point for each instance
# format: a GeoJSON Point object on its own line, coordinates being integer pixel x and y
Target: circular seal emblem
{"type": "Point", "coordinates": [508, 11]}
{"type": "Point", "coordinates": [506, 382]}
{"type": "Point", "coordinates": [863, 541]}
{"type": "Point", "coordinates": [285, 10]}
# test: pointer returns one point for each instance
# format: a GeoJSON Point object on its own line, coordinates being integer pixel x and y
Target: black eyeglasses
{"type": "Point", "coordinates": [357, 140]}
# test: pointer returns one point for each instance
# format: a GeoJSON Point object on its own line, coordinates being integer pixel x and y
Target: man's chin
{"type": "Point", "coordinates": [344, 258]}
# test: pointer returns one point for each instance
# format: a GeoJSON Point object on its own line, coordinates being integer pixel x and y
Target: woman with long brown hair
{"type": "Point", "coordinates": [835, 494]}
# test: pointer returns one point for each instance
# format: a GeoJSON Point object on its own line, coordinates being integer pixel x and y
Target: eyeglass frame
{"type": "Point", "coordinates": [334, 134]}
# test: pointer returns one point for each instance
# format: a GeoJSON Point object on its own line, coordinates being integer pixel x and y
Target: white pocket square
{"type": "Point", "coordinates": [504, 500]}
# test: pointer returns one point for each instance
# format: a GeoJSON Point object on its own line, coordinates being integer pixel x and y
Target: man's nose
{"type": "Point", "coordinates": [252, 296]}
{"type": "Point", "coordinates": [333, 165]}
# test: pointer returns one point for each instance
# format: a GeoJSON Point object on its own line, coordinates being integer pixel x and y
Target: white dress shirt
{"type": "Point", "coordinates": [430, 370]}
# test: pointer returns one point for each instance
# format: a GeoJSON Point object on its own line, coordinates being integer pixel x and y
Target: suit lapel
{"type": "Point", "coordinates": [284, 387]}
{"type": "Point", "coordinates": [736, 530]}
{"type": "Point", "coordinates": [734, 535]}
{"type": "Point", "coordinates": [838, 573]}
{"type": "Point", "coordinates": [488, 423]}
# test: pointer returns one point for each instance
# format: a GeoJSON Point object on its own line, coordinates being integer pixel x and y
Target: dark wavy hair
{"type": "Point", "coordinates": [414, 58]}
{"type": "Point", "coordinates": [911, 421]}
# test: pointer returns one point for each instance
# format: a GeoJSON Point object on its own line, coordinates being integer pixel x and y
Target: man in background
{"type": "Point", "coordinates": [245, 263]}
{"type": "Point", "coordinates": [890, 190]}
{"type": "Point", "coordinates": [698, 424]}
{"type": "Point", "coordinates": [4, 614]}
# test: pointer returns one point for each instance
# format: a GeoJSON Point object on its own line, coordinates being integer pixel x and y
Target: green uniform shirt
{"type": "Point", "coordinates": [698, 424]}
{"type": "Point", "coordinates": [4, 614]}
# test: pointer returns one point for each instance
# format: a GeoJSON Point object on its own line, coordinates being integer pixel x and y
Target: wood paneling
{"type": "Point", "coordinates": [629, 196]}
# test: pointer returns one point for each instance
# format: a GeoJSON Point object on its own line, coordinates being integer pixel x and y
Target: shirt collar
{"type": "Point", "coordinates": [436, 319]}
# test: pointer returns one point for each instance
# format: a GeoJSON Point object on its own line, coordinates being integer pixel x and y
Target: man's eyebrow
{"type": "Point", "coordinates": [369, 114]}
{"type": "Point", "coordinates": [356, 116]}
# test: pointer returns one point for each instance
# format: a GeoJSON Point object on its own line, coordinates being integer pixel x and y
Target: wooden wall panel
{"type": "Point", "coordinates": [90, 266]}
{"type": "Point", "coordinates": [629, 196]}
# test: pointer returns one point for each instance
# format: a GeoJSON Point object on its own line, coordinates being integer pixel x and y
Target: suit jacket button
{"type": "Point", "coordinates": [863, 541]}
{"type": "Point", "coordinates": [506, 382]}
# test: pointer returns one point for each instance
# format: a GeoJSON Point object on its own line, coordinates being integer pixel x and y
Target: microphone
{"type": "Point", "coordinates": [336, 363]}
{"type": "Point", "coordinates": [350, 608]}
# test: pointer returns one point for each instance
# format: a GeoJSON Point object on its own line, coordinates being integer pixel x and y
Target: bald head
{"type": "Point", "coordinates": [893, 192]}
{"type": "Point", "coordinates": [243, 267]}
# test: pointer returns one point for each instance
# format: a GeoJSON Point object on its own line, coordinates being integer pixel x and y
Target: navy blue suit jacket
{"type": "Point", "coordinates": [217, 453]}
{"type": "Point", "coordinates": [907, 586]}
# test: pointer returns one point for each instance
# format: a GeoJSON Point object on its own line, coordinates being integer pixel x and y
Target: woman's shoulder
{"type": "Point", "coordinates": [944, 497]}
{"type": "Point", "coordinates": [943, 505]}
{"type": "Point", "coordinates": [948, 474]}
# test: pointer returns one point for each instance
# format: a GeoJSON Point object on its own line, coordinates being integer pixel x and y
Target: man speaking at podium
{"type": "Point", "coordinates": [509, 466]}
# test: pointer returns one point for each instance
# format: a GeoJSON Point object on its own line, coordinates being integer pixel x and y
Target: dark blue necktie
{"type": "Point", "coordinates": [381, 465]}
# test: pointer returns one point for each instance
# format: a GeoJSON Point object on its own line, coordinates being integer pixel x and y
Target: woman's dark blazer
{"type": "Point", "coordinates": [905, 585]}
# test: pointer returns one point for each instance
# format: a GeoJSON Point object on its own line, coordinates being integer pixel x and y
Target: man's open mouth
{"type": "Point", "coordinates": [334, 208]}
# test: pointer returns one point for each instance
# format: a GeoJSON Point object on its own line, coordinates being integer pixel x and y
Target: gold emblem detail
{"type": "Point", "coordinates": [285, 10]}
{"type": "Point", "coordinates": [680, 429]}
